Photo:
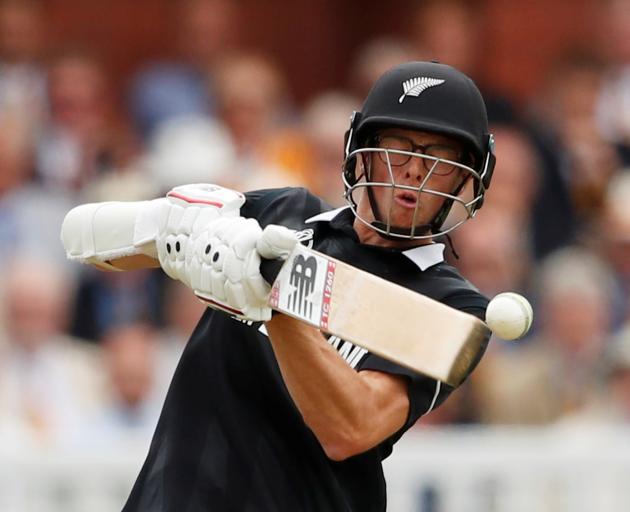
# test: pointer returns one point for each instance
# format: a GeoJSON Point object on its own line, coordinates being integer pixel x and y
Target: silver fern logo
{"type": "Point", "coordinates": [416, 86]}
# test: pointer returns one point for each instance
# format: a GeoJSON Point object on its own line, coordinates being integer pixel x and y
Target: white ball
{"type": "Point", "coordinates": [509, 315]}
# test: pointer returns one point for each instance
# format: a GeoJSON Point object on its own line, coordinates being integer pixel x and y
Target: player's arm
{"type": "Point", "coordinates": [196, 234]}
{"type": "Point", "coordinates": [115, 235]}
{"type": "Point", "coordinates": [349, 412]}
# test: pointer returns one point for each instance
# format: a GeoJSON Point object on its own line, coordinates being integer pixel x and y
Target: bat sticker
{"type": "Point", "coordinates": [304, 288]}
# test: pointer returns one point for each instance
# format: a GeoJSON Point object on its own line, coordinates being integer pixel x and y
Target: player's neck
{"type": "Point", "coordinates": [369, 236]}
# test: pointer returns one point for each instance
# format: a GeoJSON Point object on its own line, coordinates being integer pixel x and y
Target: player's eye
{"type": "Point", "coordinates": [443, 153]}
{"type": "Point", "coordinates": [395, 144]}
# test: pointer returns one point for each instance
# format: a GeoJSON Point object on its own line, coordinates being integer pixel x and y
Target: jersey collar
{"type": "Point", "coordinates": [326, 216]}
{"type": "Point", "coordinates": [424, 256]}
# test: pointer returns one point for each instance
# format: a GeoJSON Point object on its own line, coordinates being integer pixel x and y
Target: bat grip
{"type": "Point", "coordinates": [270, 269]}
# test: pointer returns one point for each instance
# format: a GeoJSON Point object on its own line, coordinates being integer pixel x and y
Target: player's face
{"type": "Point", "coordinates": [400, 206]}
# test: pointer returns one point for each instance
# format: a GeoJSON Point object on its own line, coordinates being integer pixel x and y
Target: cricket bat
{"type": "Point", "coordinates": [387, 319]}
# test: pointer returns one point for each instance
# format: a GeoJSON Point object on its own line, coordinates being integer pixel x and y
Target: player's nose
{"type": "Point", "coordinates": [414, 170]}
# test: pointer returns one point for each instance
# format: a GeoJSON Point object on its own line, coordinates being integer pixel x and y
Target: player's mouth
{"type": "Point", "coordinates": [406, 199]}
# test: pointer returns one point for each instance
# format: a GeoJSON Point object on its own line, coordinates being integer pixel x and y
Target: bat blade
{"type": "Point", "coordinates": [387, 319]}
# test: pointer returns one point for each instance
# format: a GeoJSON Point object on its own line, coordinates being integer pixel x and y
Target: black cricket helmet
{"type": "Point", "coordinates": [429, 97]}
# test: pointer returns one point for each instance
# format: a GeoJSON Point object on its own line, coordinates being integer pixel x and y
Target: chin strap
{"type": "Point", "coordinates": [446, 209]}
{"type": "Point", "coordinates": [422, 230]}
{"type": "Point", "coordinates": [451, 246]}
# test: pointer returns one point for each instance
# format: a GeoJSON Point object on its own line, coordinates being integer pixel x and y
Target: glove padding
{"type": "Point", "coordinates": [216, 253]}
{"type": "Point", "coordinates": [189, 209]}
{"type": "Point", "coordinates": [224, 265]}
{"type": "Point", "coordinates": [106, 234]}
{"type": "Point", "coordinates": [276, 242]}
{"type": "Point", "coordinates": [102, 234]}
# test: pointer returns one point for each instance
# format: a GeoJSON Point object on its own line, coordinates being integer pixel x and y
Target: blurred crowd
{"type": "Point", "coordinates": [86, 356]}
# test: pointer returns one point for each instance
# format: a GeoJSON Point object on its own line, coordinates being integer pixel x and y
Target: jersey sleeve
{"type": "Point", "coordinates": [288, 206]}
{"type": "Point", "coordinates": [426, 393]}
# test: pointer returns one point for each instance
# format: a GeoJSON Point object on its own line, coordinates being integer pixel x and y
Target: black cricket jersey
{"type": "Point", "coordinates": [230, 437]}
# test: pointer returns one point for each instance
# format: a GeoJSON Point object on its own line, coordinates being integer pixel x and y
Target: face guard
{"type": "Point", "coordinates": [462, 202]}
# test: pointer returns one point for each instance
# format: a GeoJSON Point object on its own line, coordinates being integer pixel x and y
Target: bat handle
{"type": "Point", "coordinates": [270, 269]}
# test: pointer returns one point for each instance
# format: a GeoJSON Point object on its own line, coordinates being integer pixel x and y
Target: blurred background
{"type": "Point", "coordinates": [122, 100]}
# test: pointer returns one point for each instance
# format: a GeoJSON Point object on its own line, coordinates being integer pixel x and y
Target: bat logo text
{"type": "Point", "coordinates": [328, 285]}
{"type": "Point", "coordinates": [302, 278]}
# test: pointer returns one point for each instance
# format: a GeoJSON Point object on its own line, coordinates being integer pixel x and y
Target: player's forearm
{"type": "Point", "coordinates": [349, 412]}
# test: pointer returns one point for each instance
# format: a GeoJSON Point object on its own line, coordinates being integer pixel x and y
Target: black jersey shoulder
{"type": "Point", "coordinates": [456, 291]}
{"type": "Point", "coordinates": [289, 206]}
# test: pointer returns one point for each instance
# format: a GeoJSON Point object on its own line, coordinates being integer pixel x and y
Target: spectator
{"type": "Point", "coordinates": [48, 380]}
{"type": "Point", "coordinates": [452, 31]}
{"type": "Point", "coordinates": [577, 161]}
{"type": "Point", "coordinates": [373, 59]}
{"type": "Point", "coordinates": [614, 230]}
{"type": "Point", "coordinates": [326, 119]}
{"type": "Point", "coordinates": [183, 86]}
{"type": "Point", "coordinates": [610, 405]}
{"type": "Point", "coordinates": [449, 31]}
{"type": "Point", "coordinates": [615, 404]}
{"type": "Point", "coordinates": [258, 118]}
{"type": "Point", "coordinates": [105, 300]}
{"type": "Point", "coordinates": [132, 405]}
{"type": "Point", "coordinates": [613, 112]}
{"type": "Point", "coordinates": [83, 139]}
{"type": "Point", "coordinates": [22, 79]}
{"type": "Point", "coordinates": [556, 373]}
{"type": "Point", "coordinates": [15, 155]}
{"type": "Point", "coordinates": [190, 150]}
{"type": "Point", "coordinates": [23, 227]}
{"type": "Point", "coordinates": [496, 250]}
{"type": "Point", "coordinates": [516, 180]}
{"type": "Point", "coordinates": [495, 253]}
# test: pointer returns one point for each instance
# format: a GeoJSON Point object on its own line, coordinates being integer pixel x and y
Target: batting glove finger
{"type": "Point", "coordinates": [243, 241]}
{"type": "Point", "coordinates": [235, 295]}
{"type": "Point", "coordinates": [257, 287]}
{"type": "Point", "coordinates": [276, 242]}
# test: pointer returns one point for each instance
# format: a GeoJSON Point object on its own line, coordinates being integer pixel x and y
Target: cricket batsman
{"type": "Point", "coordinates": [264, 412]}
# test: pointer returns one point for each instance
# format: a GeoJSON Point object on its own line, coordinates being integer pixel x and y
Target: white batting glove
{"type": "Point", "coordinates": [224, 265]}
{"type": "Point", "coordinates": [217, 268]}
{"type": "Point", "coordinates": [102, 234]}
{"type": "Point", "coordinates": [189, 209]}
{"type": "Point", "coordinates": [276, 242]}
